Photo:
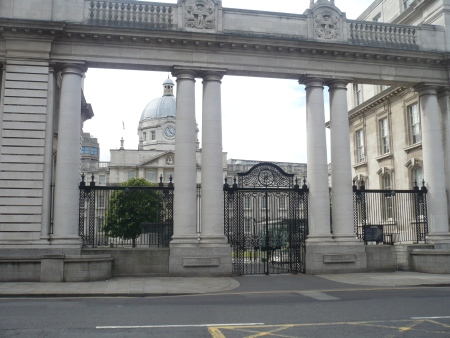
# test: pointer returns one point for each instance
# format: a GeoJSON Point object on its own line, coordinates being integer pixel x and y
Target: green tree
{"type": "Point", "coordinates": [129, 208]}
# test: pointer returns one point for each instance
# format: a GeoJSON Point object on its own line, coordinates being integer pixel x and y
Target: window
{"type": "Point", "coordinates": [150, 175]}
{"type": "Point", "coordinates": [101, 201]}
{"type": "Point", "coordinates": [168, 174]}
{"type": "Point", "coordinates": [360, 155]}
{"type": "Point", "coordinates": [101, 179]}
{"type": "Point", "coordinates": [131, 174]}
{"type": "Point", "coordinates": [388, 199]}
{"type": "Point", "coordinates": [377, 18]}
{"type": "Point", "coordinates": [414, 123]}
{"type": "Point", "coordinates": [357, 91]}
{"type": "Point", "coordinates": [99, 222]}
{"type": "Point", "coordinates": [247, 202]}
{"type": "Point", "coordinates": [407, 3]}
{"type": "Point", "coordinates": [263, 203]}
{"type": "Point", "coordinates": [381, 88]}
{"type": "Point", "coordinates": [417, 176]}
{"type": "Point", "coordinates": [247, 225]}
{"type": "Point", "coordinates": [153, 134]}
{"type": "Point", "coordinates": [85, 150]}
{"type": "Point", "coordinates": [282, 202]}
{"type": "Point", "coordinates": [94, 151]}
{"type": "Point", "coordinates": [144, 136]}
{"type": "Point", "coordinates": [384, 136]}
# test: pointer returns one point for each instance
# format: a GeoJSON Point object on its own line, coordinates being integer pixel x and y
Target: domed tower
{"type": "Point", "coordinates": [157, 124]}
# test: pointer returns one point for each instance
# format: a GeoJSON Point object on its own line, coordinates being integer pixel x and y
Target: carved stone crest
{"type": "Point", "coordinates": [169, 160]}
{"type": "Point", "coordinates": [327, 23]}
{"type": "Point", "coordinates": [200, 14]}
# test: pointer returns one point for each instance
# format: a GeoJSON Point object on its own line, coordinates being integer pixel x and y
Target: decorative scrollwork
{"type": "Point", "coordinates": [265, 175]}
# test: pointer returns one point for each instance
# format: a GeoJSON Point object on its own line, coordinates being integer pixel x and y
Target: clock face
{"type": "Point", "coordinates": [169, 132]}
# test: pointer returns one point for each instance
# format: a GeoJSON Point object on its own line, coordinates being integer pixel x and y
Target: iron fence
{"type": "Point", "coordinates": [390, 216]}
{"type": "Point", "coordinates": [98, 204]}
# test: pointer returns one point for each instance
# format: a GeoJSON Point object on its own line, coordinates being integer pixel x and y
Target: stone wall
{"type": "Point", "coordinates": [135, 262]}
{"type": "Point", "coordinates": [55, 268]}
{"type": "Point", "coordinates": [380, 258]}
{"type": "Point", "coordinates": [431, 261]}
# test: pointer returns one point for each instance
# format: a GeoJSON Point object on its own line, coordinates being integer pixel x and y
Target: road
{"type": "Point", "coordinates": [258, 308]}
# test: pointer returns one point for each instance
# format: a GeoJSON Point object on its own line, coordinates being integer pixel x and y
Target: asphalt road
{"type": "Point", "coordinates": [253, 310]}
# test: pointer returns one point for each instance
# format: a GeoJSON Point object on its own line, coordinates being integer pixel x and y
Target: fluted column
{"type": "Point", "coordinates": [185, 172]}
{"type": "Point", "coordinates": [212, 165]}
{"type": "Point", "coordinates": [433, 164]}
{"type": "Point", "coordinates": [341, 169]}
{"type": "Point", "coordinates": [68, 157]}
{"type": "Point", "coordinates": [319, 204]}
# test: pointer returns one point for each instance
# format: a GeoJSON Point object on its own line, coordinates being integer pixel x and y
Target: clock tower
{"type": "Point", "coordinates": [157, 124]}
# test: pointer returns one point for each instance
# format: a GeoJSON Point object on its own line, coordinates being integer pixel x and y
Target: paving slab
{"type": "Point", "coordinates": [165, 286]}
{"type": "Point", "coordinates": [121, 286]}
{"type": "Point", "coordinates": [390, 279]}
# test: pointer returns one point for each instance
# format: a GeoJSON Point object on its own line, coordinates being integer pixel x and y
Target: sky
{"type": "Point", "coordinates": [262, 119]}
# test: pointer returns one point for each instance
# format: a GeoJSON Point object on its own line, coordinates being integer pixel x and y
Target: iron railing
{"type": "Point", "coordinates": [390, 216]}
{"type": "Point", "coordinates": [96, 204]}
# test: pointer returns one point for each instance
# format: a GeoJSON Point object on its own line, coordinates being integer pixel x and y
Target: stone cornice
{"type": "Point", "coordinates": [248, 43]}
{"type": "Point", "coordinates": [386, 96]}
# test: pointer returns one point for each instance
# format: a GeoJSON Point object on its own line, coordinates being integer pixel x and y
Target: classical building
{"type": "Point", "coordinates": [386, 121]}
{"type": "Point", "coordinates": [155, 154]}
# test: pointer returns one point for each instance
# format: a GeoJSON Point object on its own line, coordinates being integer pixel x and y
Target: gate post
{"type": "Point", "coordinates": [323, 254]}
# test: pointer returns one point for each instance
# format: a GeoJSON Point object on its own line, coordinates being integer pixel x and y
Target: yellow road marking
{"type": "Point", "coordinates": [274, 330]}
{"type": "Point", "coordinates": [215, 332]}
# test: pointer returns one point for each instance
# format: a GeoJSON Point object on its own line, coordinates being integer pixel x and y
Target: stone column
{"type": "Point", "coordinates": [48, 159]}
{"type": "Point", "coordinates": [185, 170]}
{"type": "Point", "coordinates": [68, 158]}
{"type": "Point", "coordinates": [319, 204]}
{"type": "Point", "coordinates": [341, 170]}
{"type": "Point", "coordinates": [212, 165]}
{"type": "Point", "coordinates": [433, 165]}
{"type": "Point", "coordinates": [444, 99]}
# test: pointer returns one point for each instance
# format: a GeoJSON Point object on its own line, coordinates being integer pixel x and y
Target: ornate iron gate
{"type": "Point", "coordinates": [266, 221]}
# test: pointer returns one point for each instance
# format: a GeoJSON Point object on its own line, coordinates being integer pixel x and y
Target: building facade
{"type": "Point", "coordinates": [55, 43]}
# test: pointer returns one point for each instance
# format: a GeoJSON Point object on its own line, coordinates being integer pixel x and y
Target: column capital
{"type": "Point", "coordinates": [184, 74]}
{"type": "Point", "coordinates": [337, 84]}
{"type": "Point", "coordinates": [73, 68]}
{"type": "Point", "coordinates": [312, 81]}
{"type": "Point", "coordinates": [212, 75]}
{"type": "Point", "coordinates": [425, 89]}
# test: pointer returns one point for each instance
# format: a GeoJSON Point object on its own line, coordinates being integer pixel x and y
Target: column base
{"type": "Point", "coordinates": [347, 238]}
{"type": "Point", "coordinates": [328, 258]}
{"type": "Point", "coordinates": [66, 242]}
{"type": "Point", "coordinates": [439, 240]}
{"type": "Point", "coordinates": [213, 240]}
{"type": "Point", "coordinates": [185, 240]}
{"type": "Point", "coordinates": [324, 239]}
{"type": "Point", "coordinates": [198, 260]}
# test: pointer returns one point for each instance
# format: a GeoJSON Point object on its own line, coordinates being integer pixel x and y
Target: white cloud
{"type": "Point", "coordinates": [263, 119]}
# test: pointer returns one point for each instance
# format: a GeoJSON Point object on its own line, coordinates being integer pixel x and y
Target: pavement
{"type": "Point", "coordinates": [172, 286]}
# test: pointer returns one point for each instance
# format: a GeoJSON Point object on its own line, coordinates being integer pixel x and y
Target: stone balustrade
{"type": "Point", "coordinates": [380, 34]}
{"type": "Point", "coordinates": [155, 15]}
{"type": "Point", "coordinates": [127, 13]}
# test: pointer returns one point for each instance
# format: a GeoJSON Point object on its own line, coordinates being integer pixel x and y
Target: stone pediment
{"type": "Point", "coordinates": [169, 160]}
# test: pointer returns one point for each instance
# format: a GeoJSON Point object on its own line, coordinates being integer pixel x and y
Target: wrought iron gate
{"type": "Point", "coordinates": [266, 221]}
